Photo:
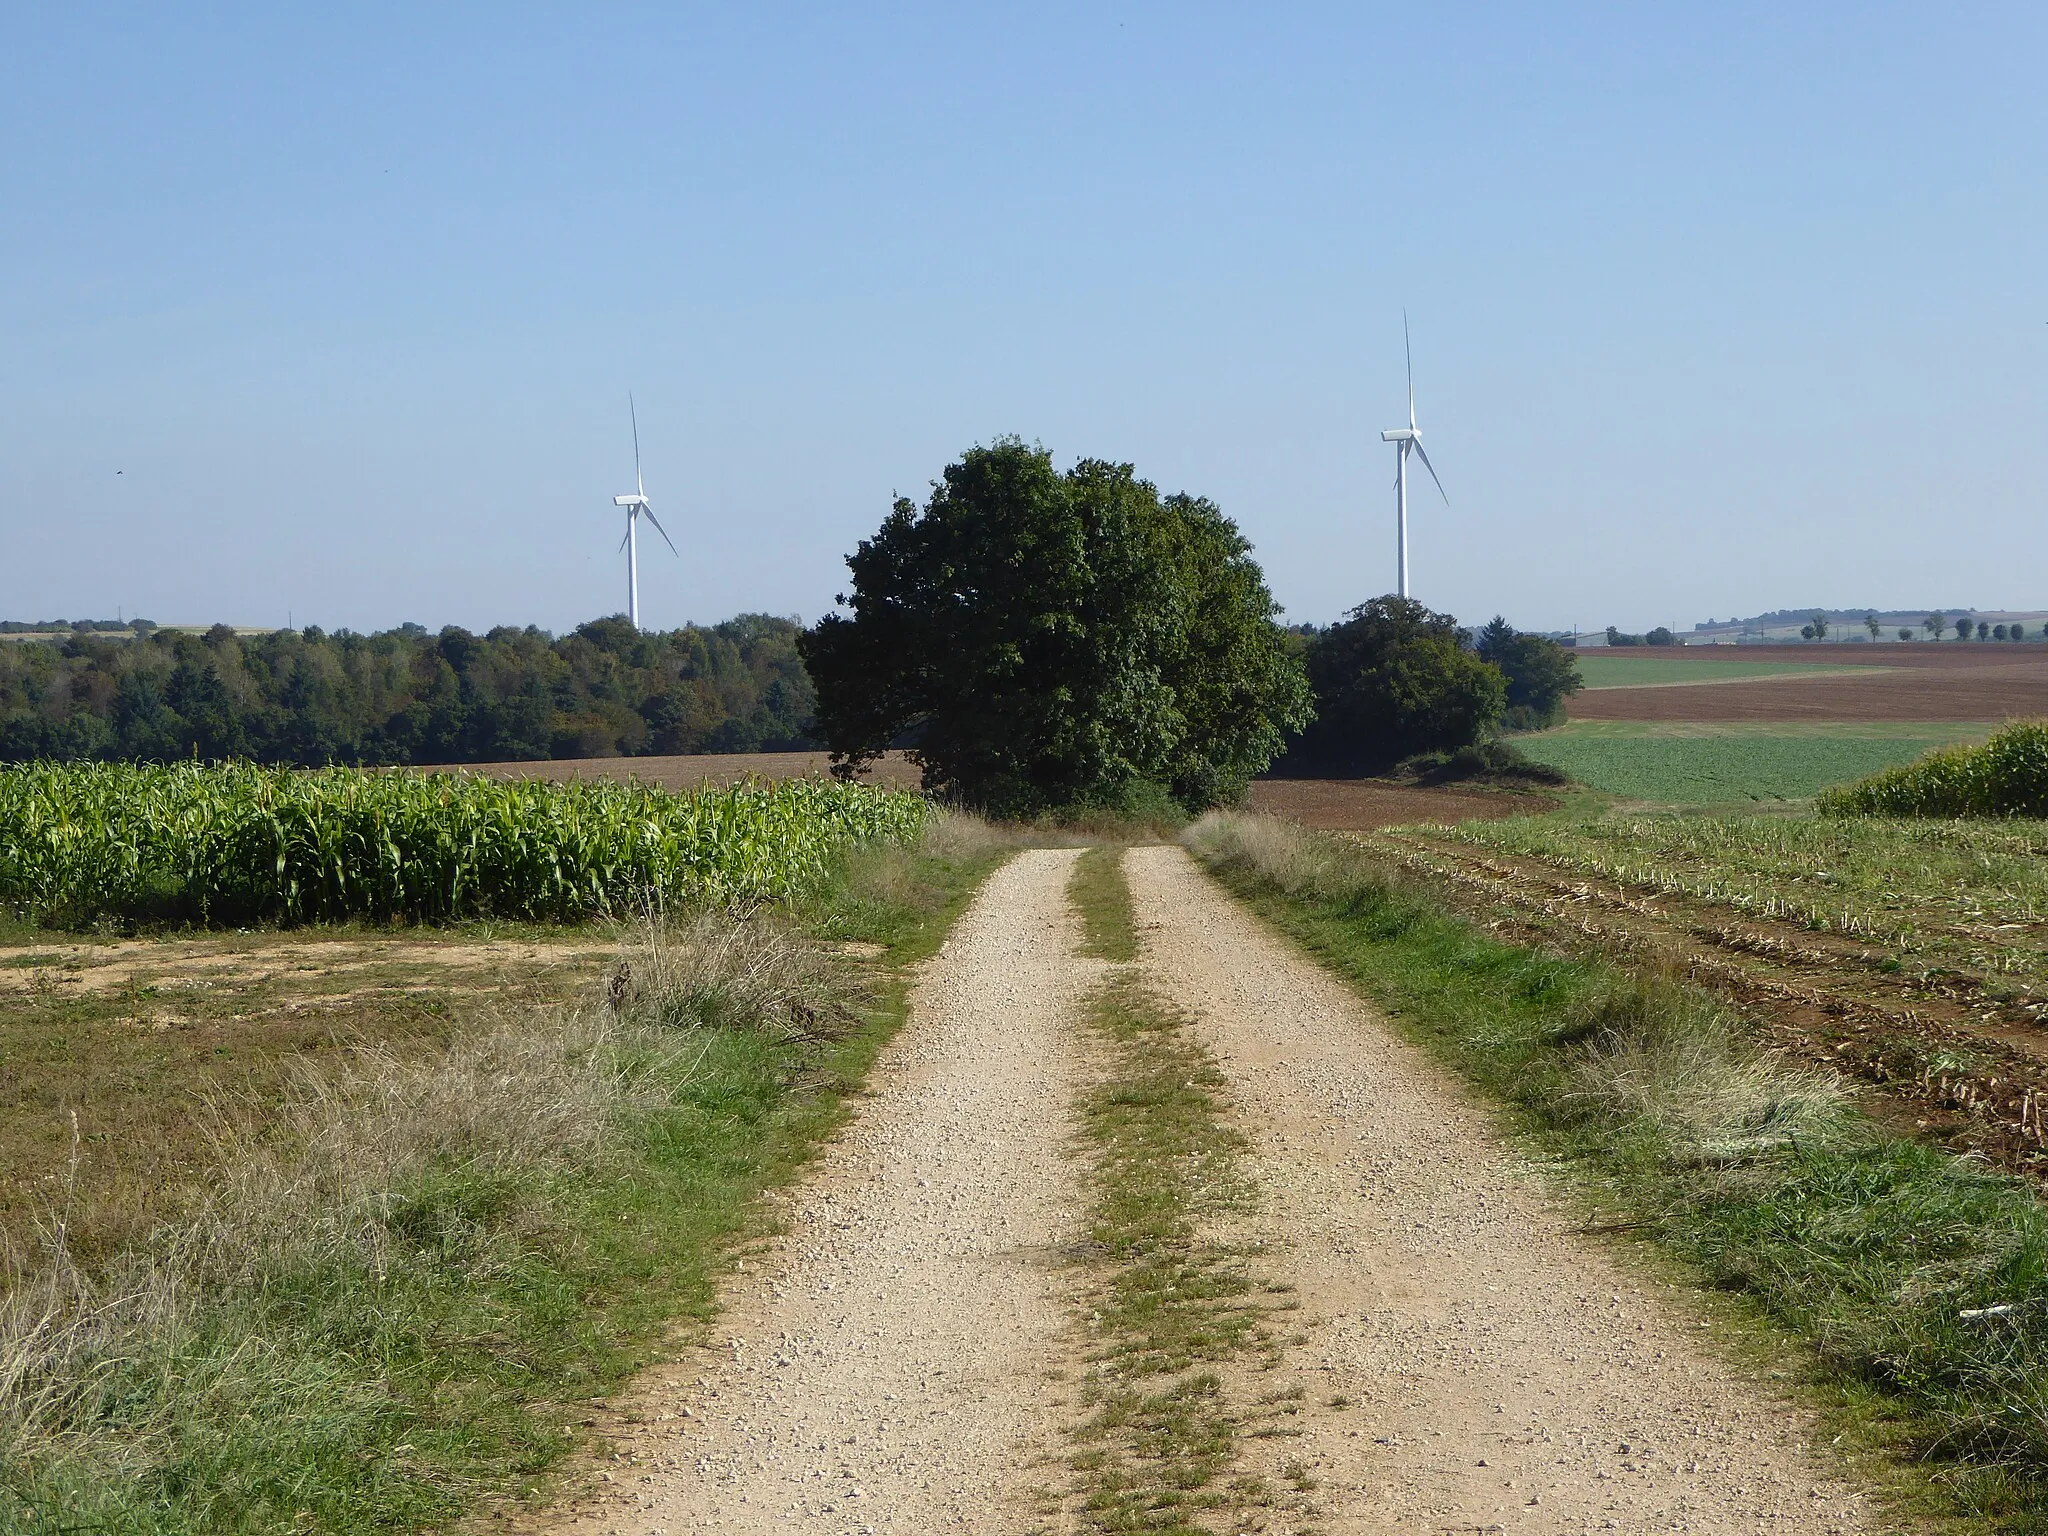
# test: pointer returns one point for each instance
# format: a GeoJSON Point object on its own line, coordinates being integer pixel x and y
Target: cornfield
{"type": "Point", "coordinates": [239, 844]}
{"type": "Point", "coordinates": [2007, 776]}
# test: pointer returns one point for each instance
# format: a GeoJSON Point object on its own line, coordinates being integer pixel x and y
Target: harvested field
{"type": "Point", "coordinates": [1360, 805]}
{"type": "Point", "coordinates": [1934, 682]}
{"type": "Point", "coordinates": [893, 771]}
{"type": "Point", "coordinates": [1894, 963]}
{"type": "Point", "coordinates": [1338, 805]}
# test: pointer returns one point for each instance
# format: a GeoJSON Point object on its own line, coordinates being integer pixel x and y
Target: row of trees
{"type": "Point", "coordinates": [1935, 625]}
{"type": "Point", "coordinates": [1039, 640]}
{"type": "Point", "coordinates": [406, 696]}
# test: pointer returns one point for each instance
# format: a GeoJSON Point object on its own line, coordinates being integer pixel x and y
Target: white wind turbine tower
{"type": "Point", "coordinates": [636, 504]}
{"type": "Point", "coordinates": [1410, 439]}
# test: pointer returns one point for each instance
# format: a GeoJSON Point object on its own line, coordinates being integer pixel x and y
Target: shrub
{"type": "Point", "coordinates": [2006, 776]}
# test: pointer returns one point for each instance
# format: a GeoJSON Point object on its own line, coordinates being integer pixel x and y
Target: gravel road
{"type": "Point", "coordinates": [1505, 1374]}
{"type": "Point", "coordinates": [893, 1365]}
{"type": "Point", "coordinates": [901, 1361]}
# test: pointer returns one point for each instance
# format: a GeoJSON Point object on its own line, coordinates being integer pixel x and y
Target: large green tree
{"type": "Point", "coordinates": [1392, 680]}
{"type": "Point", "coordinates": [1045, 641]}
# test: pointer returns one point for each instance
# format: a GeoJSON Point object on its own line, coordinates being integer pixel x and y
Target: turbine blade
{"type": "Point", "coordinates": [638, 484]}
{"type": "Point", "coordinates": [1432, 470]}
{"type": "Point", "coordinates": [671, 543]}
{"type": "Point", "coordinates": [1408, 352]}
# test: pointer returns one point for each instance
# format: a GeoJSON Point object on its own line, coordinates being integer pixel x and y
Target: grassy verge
{"type": "Point", "coordinates": [1915, 1283]}
{"type": "Point", "coordinates": [1172, 1302]}
{"type": "Point", "coordinates": [394, 1292]}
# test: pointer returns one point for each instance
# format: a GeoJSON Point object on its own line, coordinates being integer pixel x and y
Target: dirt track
{"type": "Point", "coordinates": [900, 1361]}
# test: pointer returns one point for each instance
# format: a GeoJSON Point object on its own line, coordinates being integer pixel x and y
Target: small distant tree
{"type": "Point", "coordinates": [1998, 631]}
{"type": "Point", "coordinates": [1660, 636]}
{"type": "Point", "coordinates": [1905, 634]}
{"type": "Point", "coordinates": [1820, 626]}
{"type": "Point", "coordinates": [1934, 624]}
{"type": "Point", "coordinates": [1540, 673]}
{"type": "Point", "coordinates": [1806, 631]}
{"type": "Point", "coordinates": [2017, 632]}
{"type": "Point", "coordinates": [1965, 628]}
{"type": "Point", "coordinates": [1870, 623]}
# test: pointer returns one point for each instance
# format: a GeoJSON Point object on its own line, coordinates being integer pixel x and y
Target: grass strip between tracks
{"type": "Point", "coordinates": [1911, 1283]}
{"type": "Point", "coordinates": [1172, 1303]}
{"type": "Point", "coordinates": [389, 1313]}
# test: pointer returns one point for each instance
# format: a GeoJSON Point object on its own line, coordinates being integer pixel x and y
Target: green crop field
{"type": "Point", "coordinates": [241, 844]}
{"type": "Point", "coordinates": [1601, 670]}
{"type": "Point", "coordinates": [1715, 763]}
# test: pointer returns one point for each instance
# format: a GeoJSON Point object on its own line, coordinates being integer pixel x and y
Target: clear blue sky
{"type": "Point", "coordinates": [1716, 308]}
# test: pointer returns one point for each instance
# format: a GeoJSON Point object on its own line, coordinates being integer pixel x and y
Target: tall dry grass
{"type": "Point", "coordinates": [380, 1178]}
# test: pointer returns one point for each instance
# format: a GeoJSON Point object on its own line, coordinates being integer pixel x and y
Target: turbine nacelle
{"type": "Point", "coordinates": [629, 501]}
{"type": "Point", "coordinates": [1399, 435]}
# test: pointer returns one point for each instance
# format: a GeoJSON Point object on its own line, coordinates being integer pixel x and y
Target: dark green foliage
{"type": "Point", "coordinates": [1393, 680]}
{"type": "Point", "coordinates": [1658, 636]}
{"type": "Point", "coordinates": [2006, 776]}
{"type": "Point", "coordinates": [1540, 673]}
{"type": "Point", "coordinates": [1050, 642]}
{"type": "Point", "coordinates": [404, 696]}
{"type": "Point", "coordinates": [1492, 761]}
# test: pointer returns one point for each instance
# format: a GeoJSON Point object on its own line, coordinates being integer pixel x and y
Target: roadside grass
{"type": "Point", "coordinates": [1638, 671]}
{"type": "Point", "coordinates": [1731, 763]}
{"type": "Point", "coordinates": [1173, 1302]}
{"type": "Point", "coordinates": [1913, 1282]}
{"type": "Point", "coordinates": [401, 1280]}
{"type": "Point", "coordinates": [1931, 897]}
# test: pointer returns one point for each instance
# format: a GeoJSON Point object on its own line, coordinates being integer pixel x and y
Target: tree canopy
{"type": "Point", "coordinates": [1042, 640]}
{"type": "Point", "coordinates": [1393, 680]}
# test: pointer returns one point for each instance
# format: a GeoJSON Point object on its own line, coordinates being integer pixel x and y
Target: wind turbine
{"type": "Point", "coordinates": [636, 504]}
{"type": "Point", "coordinates": [1410, 439]}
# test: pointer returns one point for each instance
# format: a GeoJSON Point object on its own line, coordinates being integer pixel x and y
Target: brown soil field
{"type": "Point", "coordinates": [1901, 682]}
{"type": "Point", "coordinates": [894, 770]}
{"type": "Point", "coordinates": [153, 1043]}
{"type": "Point", "coordinates": [1335, 805]}
{"type": "Point", "coordinates": [1364, 805]}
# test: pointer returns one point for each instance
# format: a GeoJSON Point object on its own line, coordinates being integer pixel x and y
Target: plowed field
{"type": "Point", "coordinates": [1940, 1019]}
{"type": "Point", "coordinates": [1937, 681]}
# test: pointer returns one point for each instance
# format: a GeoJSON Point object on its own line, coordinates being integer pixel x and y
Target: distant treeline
{"type": "Point", "coordinates": [405, 696]}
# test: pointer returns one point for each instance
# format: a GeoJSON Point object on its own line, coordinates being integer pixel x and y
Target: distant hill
{"type": "Point", "coordinates": [1850, 624]}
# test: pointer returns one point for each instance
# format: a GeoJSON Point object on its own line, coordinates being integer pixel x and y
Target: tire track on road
{"type": "Point", "coordinates": [895, 1365]}
{"type": "Point", "coordinates": [1476, 1366]}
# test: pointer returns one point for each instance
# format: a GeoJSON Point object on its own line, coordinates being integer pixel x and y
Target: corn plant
{"type": "Point", "coordinates": [237, 843]}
